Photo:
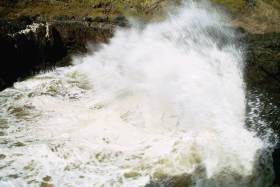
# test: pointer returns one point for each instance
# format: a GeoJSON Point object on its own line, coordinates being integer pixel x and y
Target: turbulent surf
{"type": "Point", "coordinates": [161, 104]}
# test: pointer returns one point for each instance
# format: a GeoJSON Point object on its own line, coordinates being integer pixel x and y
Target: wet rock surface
{"type": "Point", "coordinates": [276, 165]}
{"type": "Point", "coordinates": [30, 44]}
{"type": "Point", "coordinates": [263, 60]}
{"type": "Point", "coordinates": [29, 50]}
{"type": "Point", "coordinates": [262, 74]}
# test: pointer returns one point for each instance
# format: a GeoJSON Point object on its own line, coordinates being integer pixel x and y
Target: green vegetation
{"type": "Point", "coordinates": [254, 15]}
{"type": "Point", "coordinates": [101, 7]}
{"type": "Point", "coordinates": [83, 8]}
{"type": "Point", "coordinates": [234, 6]}
{"type": "Point", "coordinates": [262, 18]}
{"type": "Point", "coordinates": [241, 6]}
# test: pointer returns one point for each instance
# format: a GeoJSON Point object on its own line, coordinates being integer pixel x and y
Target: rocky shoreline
{"type": "Point", "coordinates": [30, 45]}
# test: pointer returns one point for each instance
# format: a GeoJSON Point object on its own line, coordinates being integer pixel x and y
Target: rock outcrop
{"type": "Point", "coordinates": [263, 60]}
{"type": "Point", "coordinates": [29, 45]}
{"type": "Point", "coordinates": [276, 165]}
{"type": "Point", "coordinates": [263, 74]}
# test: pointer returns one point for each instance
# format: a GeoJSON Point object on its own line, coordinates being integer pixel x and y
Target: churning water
{"type": "Point", "coordinates": [162, 104]}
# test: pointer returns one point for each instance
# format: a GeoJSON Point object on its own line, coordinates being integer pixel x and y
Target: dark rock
{"type": "Point", "coordinates": [262, 74]}
{"type": "Point", "coordinates": [8, 3]}
{"type": "Point", "coordinates": [62, 18]}
{"type": "Point", "coordinates": [121, 21]}
{"type": "Point", "coordinates": [102, 5]}
{"type": "Point", "coordinates": [88, 18]}
{"type": "Point", "coordinates": [27, 52]}
{"type": "Point", "coordinates": [101, 19]}
{"type": "Point", "coordinates": [276, 165]}
{"type": "Point", "coordinates": [263, 60]}
{"type": "Point", "coordinates": [26, 20]}
{"type": "Point", "coordinates": [251, 3]}
{"type": "Point", "coordinates": [13, 26]}
{"type": "Point", "coordinates": [177, 181]}
{"type": "Point", "coordinates": [55, 49]}
{"type": "Point", "coordinates": [76, 34]}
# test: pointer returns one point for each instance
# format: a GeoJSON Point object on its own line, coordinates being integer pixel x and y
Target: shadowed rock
{"type": "Point", "coordinates": [30, 44]}
{"type": "Point", "coordinates": [276, 165]}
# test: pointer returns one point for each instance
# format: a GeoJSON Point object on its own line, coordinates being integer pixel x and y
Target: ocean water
{"type": "Point", "coordinates": [160, 104]}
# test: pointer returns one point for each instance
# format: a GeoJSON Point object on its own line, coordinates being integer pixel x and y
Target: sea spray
{"type": "Point", "coordinates": [156, 104]}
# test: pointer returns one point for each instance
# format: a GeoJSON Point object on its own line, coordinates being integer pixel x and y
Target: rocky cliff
{"type": "Point", "coordinates": [31, 45]}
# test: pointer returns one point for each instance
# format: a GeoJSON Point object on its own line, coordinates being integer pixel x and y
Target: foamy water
{"type": "Point", "coordinates": [156, 103]}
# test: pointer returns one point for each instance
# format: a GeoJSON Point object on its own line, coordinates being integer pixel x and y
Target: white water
{"type": "Point", "coordinates": [157, 102]}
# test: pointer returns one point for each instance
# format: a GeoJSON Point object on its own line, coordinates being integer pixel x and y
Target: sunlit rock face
{"type": "Point", "coordinates": [161, 104]}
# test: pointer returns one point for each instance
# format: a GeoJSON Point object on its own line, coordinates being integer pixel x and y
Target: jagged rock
{"type": "Point", "coordinates": [276, 165]}
{"type": "Point", "coordinates": [32, 44]}
{"type": "Point", "coordinates": [263, 60]}
{"type": "Point", "coordinates": [88, 18]}
{"type": "Point", "coordinates": [121, 21]}
{"type": "Point", "coordinates": [76, 34]}
{"type": "Point", "coordinates": [263, 74]}
{"type": "Point", "coordinates": [28, 50]}
{"type": "Point", "coordinates": [100, 19]}
{"type": "Point", "coordinates": [13, 26]}
{"type": "Point", "coordinates": [63, 18]}
{"type": "Point", "coordinates": [8, 3]}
